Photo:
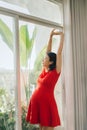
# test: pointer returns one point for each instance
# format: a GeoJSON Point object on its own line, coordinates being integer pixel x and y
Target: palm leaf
{"type": "Point", "coordinates": [6, 34]}
{"type": "Point", "coordinates": [26, 44]}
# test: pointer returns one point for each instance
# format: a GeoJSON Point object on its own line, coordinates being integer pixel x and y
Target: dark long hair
{"type": "Point", "coordinates": [52, 57]}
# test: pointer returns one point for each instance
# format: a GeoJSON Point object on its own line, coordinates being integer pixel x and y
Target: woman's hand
{"type": "Point", "coordinates": [53, 32]}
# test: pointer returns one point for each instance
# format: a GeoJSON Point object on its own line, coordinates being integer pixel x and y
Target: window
{"type": "Point", "coordinates": [7, 73]}
{"type": "Point", "coordinates": [27, 34]}
{"type": "Point", "coordinates": [42, 9]}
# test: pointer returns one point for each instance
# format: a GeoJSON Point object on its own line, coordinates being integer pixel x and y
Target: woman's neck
{"type": "Point", "coordinates": [46, 69]}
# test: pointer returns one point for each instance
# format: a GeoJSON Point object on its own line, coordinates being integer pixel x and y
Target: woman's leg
{"type": "Point", "coordinates": [47, 128]}
{"type": "Point", "coordinates": [40, 127]}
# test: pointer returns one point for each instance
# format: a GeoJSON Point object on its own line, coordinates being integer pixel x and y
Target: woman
{"type": "Point", "coordinates": [42, 108]}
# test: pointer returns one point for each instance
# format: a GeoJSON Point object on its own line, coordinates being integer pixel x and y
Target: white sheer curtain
{"type": "Point", "coordinates": [77, 97]}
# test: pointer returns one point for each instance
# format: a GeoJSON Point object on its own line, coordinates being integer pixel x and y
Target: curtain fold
{"type": "Point", "coordinates": [79, 50]}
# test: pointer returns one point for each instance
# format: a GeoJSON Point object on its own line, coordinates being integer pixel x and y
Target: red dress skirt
{"type": "Point", "coordinates": [42, 106]}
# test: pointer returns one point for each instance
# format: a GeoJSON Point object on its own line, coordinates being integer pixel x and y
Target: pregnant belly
{"type": "Point", "coordinates": [42, 93]}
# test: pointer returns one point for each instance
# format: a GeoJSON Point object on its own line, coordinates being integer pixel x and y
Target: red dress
{"type": "Point", "coordinates": [42, 107]}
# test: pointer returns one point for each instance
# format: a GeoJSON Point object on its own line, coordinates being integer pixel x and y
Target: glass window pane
{"type": "Point", "coordinates": [40, 8]}
{"type": "Point", "coordinates": [7, 74]}
{"type": "Point", "coordinates": [46, 10]}
{"type": "Point", "coordinates": [33, 42]}
{"type": "Point", "coordinates": [14, 6]}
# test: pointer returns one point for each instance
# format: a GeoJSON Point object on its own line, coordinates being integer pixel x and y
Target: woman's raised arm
{"type": "Point", "coordinates": [59, 52]}
{"type": "Point", "coordinates": [49, 45]}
